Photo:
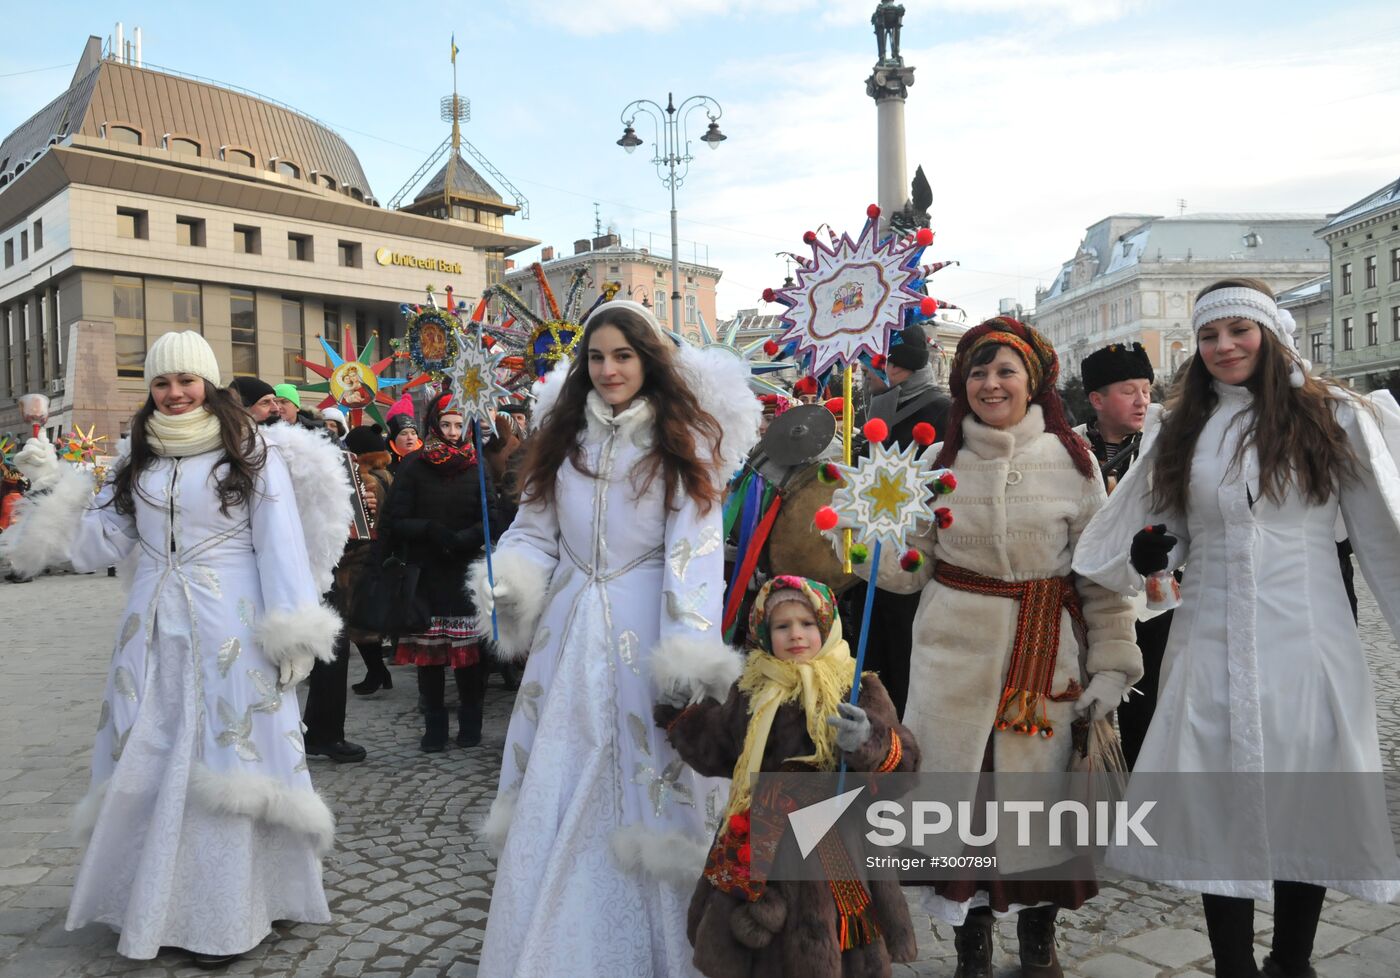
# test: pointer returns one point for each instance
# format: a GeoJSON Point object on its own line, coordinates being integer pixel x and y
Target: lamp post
{"type": "Point", "coordinates": [671, 156]}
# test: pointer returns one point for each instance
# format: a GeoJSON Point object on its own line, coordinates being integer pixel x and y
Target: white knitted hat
{"type": "Point", "coordinates": [182, 353]}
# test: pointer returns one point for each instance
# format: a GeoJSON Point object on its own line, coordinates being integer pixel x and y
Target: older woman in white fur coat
{"type": "Point", "coordinates": [610, 577]}
{"type": "Point", "coordinates": [204, 827]}
{"type": "Point", "coordinates": [983, 696]}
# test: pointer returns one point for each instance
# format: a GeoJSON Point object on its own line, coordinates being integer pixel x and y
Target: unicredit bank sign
{"type": "Point", "coordinates": [387, 256]}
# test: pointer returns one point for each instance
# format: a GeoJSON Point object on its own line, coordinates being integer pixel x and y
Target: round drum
{"type": "Point", "coordinates": [795, 546]}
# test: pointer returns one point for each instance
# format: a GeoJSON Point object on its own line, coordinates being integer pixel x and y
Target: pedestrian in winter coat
{"type": "Point", "coordinates": [983, 693]}
{"type": "Point", "coordinates": [788, 711]}
{"type": "Point", "coordinates": [613, 563]}
{"type": "Point", "coordinates": [1264, 673]}
{"type": "Point", "coordinates": [373, 459]}
{"type": "Point", "coordinates": [434, 522]}
{"type": "Point", "coordinates": [204, 827]}
{"type": "Point", "coordinates": [403, 431]}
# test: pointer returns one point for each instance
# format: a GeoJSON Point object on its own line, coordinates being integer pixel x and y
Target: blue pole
{"type": "Point", "coordinates": [860, 646]}
{"type": "Point", "coordinates": [486, 531]}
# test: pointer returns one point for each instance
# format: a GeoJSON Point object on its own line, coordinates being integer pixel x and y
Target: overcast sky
{"type": "Point", "coordinates": [1032, 118]}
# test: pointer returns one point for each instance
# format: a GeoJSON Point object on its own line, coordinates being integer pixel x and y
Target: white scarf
{"type": "Point", "coordinates": [179, 435]}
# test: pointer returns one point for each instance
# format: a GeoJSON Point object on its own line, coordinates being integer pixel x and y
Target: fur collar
{"type": "Point", "coordinates": [987, 442]}
{"type": "Point", "coordinates": [635, 421]}
{"type": "Point", "coordinates": [370, 461]}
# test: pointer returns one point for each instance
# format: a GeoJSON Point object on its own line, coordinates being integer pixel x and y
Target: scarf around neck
{"type": "Point", "coordinates": [915, 384]}
{"type": "Point", "coordinates": [445, 456]}
{"type": "Point", "coordinates": [180, 435]}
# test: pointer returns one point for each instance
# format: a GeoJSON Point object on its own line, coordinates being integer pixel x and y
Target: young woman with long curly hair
{"type": "Point", "coordinates": [1244, 483]}
{"type": "Point", "coordinates": [611, 575]}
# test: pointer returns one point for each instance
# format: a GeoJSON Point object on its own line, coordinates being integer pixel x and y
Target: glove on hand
{"type": "Point", "coordinates": [1103, 695]}
{"type": "Point", "coordinates": [39, 462]}
{"type": "Point", "coordinates": [490, 597]}
{"type": "Point", "coordinates": [1150, 550]}
{"type": "Point", "coordinates": [294, 670]}
{"type": "Point", "coordinates": [463, 541]}
{"type": "Point", "coordinates": [852, 727]}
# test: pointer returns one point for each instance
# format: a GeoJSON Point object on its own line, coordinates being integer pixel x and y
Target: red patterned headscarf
{"type": "Point", "coordinates": [1043, 369]}
{"type": "Point", "coordinates": [448, 456]}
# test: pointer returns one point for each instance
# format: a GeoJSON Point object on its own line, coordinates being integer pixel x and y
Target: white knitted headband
{"type": "Point", "coordinates": [603, 308]}
{"type": "Point", "coordinates": [1241, 302]}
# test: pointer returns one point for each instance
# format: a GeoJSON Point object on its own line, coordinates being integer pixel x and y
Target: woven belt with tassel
{"type": "Point", "coordinates": [1035, 647]}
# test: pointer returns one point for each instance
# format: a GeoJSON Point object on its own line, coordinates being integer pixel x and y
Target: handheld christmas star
{"type": "Point", "coordinates": [81, 446]}
{"type": "Point", "coordinates": [355, 381]}
{"type": "Point", "coordinates": [885, 496]}
{"type": "Point", "coordinates": [475, 390]}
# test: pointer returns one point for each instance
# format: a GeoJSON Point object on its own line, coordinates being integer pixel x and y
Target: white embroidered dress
{"type": "Point", "coordinates": [194, 736]}
{"type": "Point", "coordinates": [610, 827]}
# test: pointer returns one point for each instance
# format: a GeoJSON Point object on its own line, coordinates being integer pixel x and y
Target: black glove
{"type": "Point", "coordinates": [1150, 549]}
{"type": "Point", "coordinates": [463, 541]}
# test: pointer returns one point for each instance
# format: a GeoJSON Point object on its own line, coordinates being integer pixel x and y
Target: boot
{"type": "Point", "coordinates": [1035, 930]}
{"type": "Point", "coordinates": [435, 739]}
{"type": "Point", "coordinates": [973, 941]}
{"type": "Point", "coordinates": [1297, 907]}
{"type": "Point", "coordinates": [470, 695]}
{"type": "Point", "coordinates": [1272, 969]}
{"type": "Point", "coordinates": [377, 675]}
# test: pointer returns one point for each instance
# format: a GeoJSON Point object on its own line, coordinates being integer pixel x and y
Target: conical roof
{"type": "Point", "coordinates": [466, 182]}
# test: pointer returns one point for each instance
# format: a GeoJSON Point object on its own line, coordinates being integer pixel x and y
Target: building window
{"type": "Point", "coordinates": [1348, 334]}
{"type": "Point", "coordinates": [349, 254]}
{"type": "Point", "coordinates": [129, 318]}
{"type": "Point", "coordinates": [124, 134]}
{"type": "Point", "coordinates": [9, 252]}
{"type": "Point", "coordinates": [288, 169]}
{"type": "Point", "coordinates": [356, 194]}
{"type": "Point", "coordinates": [1371, 329]}
{"type": "Point", "coordinates": [247, 240]}
{"type": "Point", "coordinates": [184, 147]}
{"type": "Point", "coordinates": [38, 235]}
{"type": "Point", "coordinates": [23, 245]}
{"type": "Point", "coordinates": [189, 231]}
{"type": "Point", "coordinates": [1370, 271]}
{"type": "Point", "coordinates": [243, 320]}
{"type": "Point", "coordinates": [1315, 339]}
{"type": "Point", "coordinates": [240, 156]}
{"type": "Point", "coordinates": [495, 266]}
{"type": "Point", "coordinates": [662, 306]}
{"type": "Point", "coordinates": [691, 312]}
{"type": "Point", "coordinates": [186, 307]}
{"type": "Point", "coordinates": [299, 247]}
{"type": "Point", "coordinates": [330, 326]}
{"type": "Point", "coordinates": [131, 223]}
{"type": "Point", "coordinates": [1395, 264]}
{"type": "Point", "coordinates": [1346, 278]}
{"type": "Point", "coordinates": [1394, 323]}
{"type": "Point", "coordinates": [292, 345]}
{"type": "Point", "coordinates": [326, 181]}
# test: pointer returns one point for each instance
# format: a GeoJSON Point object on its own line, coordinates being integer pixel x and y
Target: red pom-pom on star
{"type": "Point", "coordinates": [924, 238]}
{"type": "Point", "coordinates": [810, 237]}
{"type": "Point", "coordinates": [770, 347]}
{"type": "Point", "coordinates": [946, 483]}
{"type": "Point", "coordinates": [769, 295]}
{"type": "Point", "coordinates": [836, 405]}
{"type": "Point", "coordinates": [826, 519]}
{"type": "Point", "coordinates": [928, 306]}
{"type": "Point", "coordinates": [739, 823]}
{"type": "Point", "coordinates": [875, 430]}
{"type": "Point", "coordinates": [911, 560]}
{"type": "Point", "coordinates": [943, 517]}
{"type": "Point", "coordinates": [878, 361]}
{"type": "Point", "coordinates": [873, 211]}
{"type": "Point", "coordinates": [925, 434]}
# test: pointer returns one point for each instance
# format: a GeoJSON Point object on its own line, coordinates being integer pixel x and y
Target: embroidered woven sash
{"type": "Point", "coordinates": [1035, 647]}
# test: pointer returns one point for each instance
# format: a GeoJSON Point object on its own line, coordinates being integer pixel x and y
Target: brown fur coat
{"type": "Point", "coordinates": [792, 929]}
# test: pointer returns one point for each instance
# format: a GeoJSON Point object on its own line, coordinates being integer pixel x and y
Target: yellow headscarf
{"type": "Point", "coordinates": [821, 683]}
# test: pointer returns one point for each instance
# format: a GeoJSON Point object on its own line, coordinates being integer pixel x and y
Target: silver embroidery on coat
{"type": "Point", "coordinates": [683, 552]}
{"type": "Point", "coordinates": [228, 655]}
{"type": "Point", "coordinates": [542, 637]}
{"type": "Point", "coordinates": [522, 757]}
{"type": "Point", "coordinates": [130, 627]}
{"type": "Point", "coordinates": [659, 786]}
{"type": "Point", "coordinates": [530, 694]}
{"type": "Point", "coordinates": [124, 683]}
{"type": "Point", "coordinates": [104, 717]}
{"type": "Point", "coordinates": [638, 726]}
{"type": "Point", "coordinates": [270, 692]}
{"type": "Point", "coordinates": [686, 610]}
{"type": "Point", "coordinates": [210, 579]}
{"type": "Point", "coordinates": [628, 644]}
{"type": "Point", "coordinates": [119, 745]}
{"type": "Point", "coordinates": [294, 738]}
{"type": "Point", "coordinates": [237, 732]}
{"type": "Point", "coordinates": [245, 612]}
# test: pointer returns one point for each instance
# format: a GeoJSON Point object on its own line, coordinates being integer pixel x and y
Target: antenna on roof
{"type": "Point", "coordinates": [1180, 206]}
{"type": "Point", "coordinates": [597, 221]}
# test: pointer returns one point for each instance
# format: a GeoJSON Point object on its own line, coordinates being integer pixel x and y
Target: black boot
{"type": "Point", "coordinates": [377, 675]}
{"type": "Point", "coordinates": [1035, 930]}
{"type": "Point", "coordinates": [430, 690]}
{"type": "Point", "coordinates": [1230, 926]}
{"type": "Point", "coordinates": [1297, 907]}
{"type": "Point", "coordinates": [471, 693]}
{"type": "Point", "coordinates": [435, 739]}
{"type": "Point", "coordinates": [973, 941]}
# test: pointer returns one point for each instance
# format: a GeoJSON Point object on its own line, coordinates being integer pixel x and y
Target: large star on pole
{"type": "Point", "coordinates": [885, 495]}
{"type": "Point", "coordinates": [473, 372]}
{"type": "Point", "coordinates": [355, 382]}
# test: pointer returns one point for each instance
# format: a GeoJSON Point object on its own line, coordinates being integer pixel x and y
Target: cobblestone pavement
{"type": "Point", "coordinates": [409, 887]}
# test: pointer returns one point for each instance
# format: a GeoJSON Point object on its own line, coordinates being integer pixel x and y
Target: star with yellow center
{"type": "Point", "coordinates": [471, 383]}
{"type": "Point", "coordinates": [888, 494]}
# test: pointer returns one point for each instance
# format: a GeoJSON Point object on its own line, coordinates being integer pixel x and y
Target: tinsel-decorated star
{"type": "Point", "coordinates": [9, 444]}
{"type": "Point", "coordinates": [850, 298]}
{"type": "Point", "coordinates": [533, 341]}
{"type": "Point", "coordinates": [81, 446]}
{"type": "Point", "coordinates": [473, 372]}
{"type": "Point", "coordinates": [885, 495]}
{"type": "Point", "coordinates": [355, 382]}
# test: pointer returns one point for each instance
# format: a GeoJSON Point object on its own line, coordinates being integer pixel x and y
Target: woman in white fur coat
{"type": "Point", "coordinates": [611, 573]}
{"type": "Point", "coordinates": [1264, 678]}
{"type": "Point", "coordinates": [984, 695]}
{"type": "Point", "coordinates": [204, 827]}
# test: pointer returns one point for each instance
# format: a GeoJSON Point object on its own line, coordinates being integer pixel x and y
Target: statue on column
{"type": "Point", "coordinates": [886, 19]}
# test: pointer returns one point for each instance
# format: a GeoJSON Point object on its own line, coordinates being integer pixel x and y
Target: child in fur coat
{"type": "Point", "coordinates": [788, 712]}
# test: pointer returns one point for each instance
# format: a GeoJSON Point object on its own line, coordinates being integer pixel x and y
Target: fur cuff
{"type": "Point", "coordinates": [667, 856]}
{"type": "Point", "coordinates": [687, 670]}
{"type": "Point", "coordinates": [45, 526]}
{"type": "Point", "coordinates": [517, 618]}
{"type": "Point", "coordinates": [260, 797]}
{"type": "Point", "coordinates": [287, 635]}
{"type": "Point", "coordinates": [497, 823]}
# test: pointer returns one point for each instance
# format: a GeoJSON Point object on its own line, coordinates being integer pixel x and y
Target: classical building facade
{"type": "Point", "coordinates": [1310, 304]}
{"type": "Point", "coordinates": [1134, 277]}
{"type": "Point", "coordinates": [1364, 241]}
{"type": "Point", "coordinates": [140, 202]}
{"type": "Point", "coordinates": [644, 277]}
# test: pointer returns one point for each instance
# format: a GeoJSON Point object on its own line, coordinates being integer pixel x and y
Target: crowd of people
{"type": "Point", "coordinates": [267, 539]}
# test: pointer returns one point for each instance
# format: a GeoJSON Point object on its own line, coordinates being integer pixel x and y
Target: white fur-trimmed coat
{"type": "Point", "coordinates": [202, 820]}
{"type": "Point", "coordinates": [597, 812]}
